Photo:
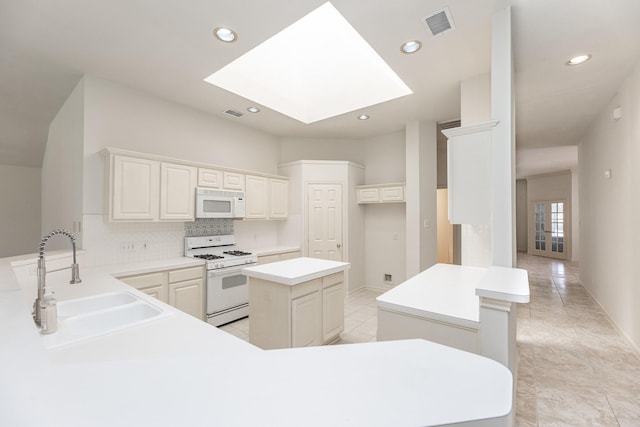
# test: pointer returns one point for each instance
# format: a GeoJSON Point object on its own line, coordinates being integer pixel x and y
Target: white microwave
{"type": "Point", "coordinates": [211, 203]}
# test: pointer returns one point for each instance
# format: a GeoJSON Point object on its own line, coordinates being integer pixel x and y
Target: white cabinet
{"type": "Point", "coordinates": [309, 313]}
{"type": "Point", "coordinates": [232, 181]}
{"type": "Point", "coordinates": [210, 178]}
{"type": "Point", "coordinates": [469, 173]}
{"type": "Point", "coordinates": [266, 259]}
{"type": "Point", "coordinates": [256, 197]}
{"type": "Point", "coordinates": [305, 320]}
{"type": "Point", "coordinates": [134, 188]}
{"type": "Point", "coordinates": [278, 198]}
{"type": "Point", "coordinates": [266, 198]}
{"type": "Point", "coordinates": [381, 193]}
{"type": "Point", "coordinates": [177, 192]}
{"type": "Point", "coordinates": [181, 288]}
{"type": "Point", "coordinates": [141, 189]}
{"type": "Point", "coordinates": [153, 284]}
{"type": "Point", "coordinates": [368, 195]}
{"type": "Point", "coordinates": [332, 307]}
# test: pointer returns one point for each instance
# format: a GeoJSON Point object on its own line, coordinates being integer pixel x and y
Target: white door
{"type": "Point", "coordinates": [549, 229]}
{"type": "Point", "coordinates": [324, 202]}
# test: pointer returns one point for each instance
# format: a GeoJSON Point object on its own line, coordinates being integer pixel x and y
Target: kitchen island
{"type": "Point", "coordinates": [296, 303]}
{"type": "Point", "coordinates": [469, 308]}
{"type": "Point", "coordinates": [178, 370]}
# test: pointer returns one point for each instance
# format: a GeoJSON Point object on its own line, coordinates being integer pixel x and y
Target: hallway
{"type": "Point", "coordinates": [575, 368]}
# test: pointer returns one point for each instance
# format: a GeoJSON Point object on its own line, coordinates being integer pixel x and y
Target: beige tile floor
{"type": "Point", "coordinates": [575, 369]}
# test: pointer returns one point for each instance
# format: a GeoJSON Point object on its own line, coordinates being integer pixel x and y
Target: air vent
{"type": "Point", "coordinates": [234, 113]}
{"type": "Point", "coordinates": [440, 22]}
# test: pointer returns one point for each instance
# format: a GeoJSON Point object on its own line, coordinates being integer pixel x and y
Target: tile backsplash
{"type": "Point", "coordinates": [121, 243]}
{"type": "Point", "coordinates": [208, 227]}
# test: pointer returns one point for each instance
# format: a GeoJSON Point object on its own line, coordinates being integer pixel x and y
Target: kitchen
{"type": "Point", "coordinates": [100, 114]}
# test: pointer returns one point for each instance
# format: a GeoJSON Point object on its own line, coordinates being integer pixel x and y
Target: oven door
{"type": "Point", "coordinates": [226, 288]}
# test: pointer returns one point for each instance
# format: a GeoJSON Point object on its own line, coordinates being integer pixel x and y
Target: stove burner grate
{"type": "Point", "coordinates": [208, 257]}
{"type": "Point", "coordinates": [236, 253]}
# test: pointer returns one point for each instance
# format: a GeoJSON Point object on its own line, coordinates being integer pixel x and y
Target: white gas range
{"type": "Point", "coordinates": [227, 290]}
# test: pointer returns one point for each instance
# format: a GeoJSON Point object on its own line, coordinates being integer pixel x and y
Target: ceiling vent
{"type": "Point", "coordinates": [233, 113]}
{"type": "Point", "coordinates": [439, 22]}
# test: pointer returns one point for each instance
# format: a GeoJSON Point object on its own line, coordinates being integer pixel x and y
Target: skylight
{"type": "Point", "coordinates": [318, 67]}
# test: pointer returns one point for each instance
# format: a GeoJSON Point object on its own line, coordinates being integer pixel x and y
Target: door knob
{"type": "Point", "coordinates": [338, 246]}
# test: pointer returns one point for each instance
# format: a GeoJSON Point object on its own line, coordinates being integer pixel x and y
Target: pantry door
{"type": "Point", "coordinates": [324, 219]}
{"type": "Point", "coordinates": [550, 228]}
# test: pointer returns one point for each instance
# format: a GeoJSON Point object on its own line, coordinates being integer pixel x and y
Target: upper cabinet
{"type": "Point", "coordinates": [381, 193]}
{"type": "Point", "coordinates": [134, 189]}
{"type": "Point", "coordinates": [146, 187]}
{"type": "Point", "coordinates": [469, 173]}
{"type": "Point", "coordinates": [147, 190]}
{"type": "Point", "coordinates": [233, 181]}
{"type": "Point", "coordinates": [177, 192]}
{"type": "Point", "coordinates": [278, 198]}
{"type": "Point", "coordinates": [266, 198]}
{"type": "Point", "coordinates": [256, 197]}
{"type": "Point", "coordinates": [210, 178]}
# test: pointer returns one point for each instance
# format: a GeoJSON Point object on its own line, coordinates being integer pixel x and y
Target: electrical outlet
{"type": "Point", "coordinates": [388, 279]}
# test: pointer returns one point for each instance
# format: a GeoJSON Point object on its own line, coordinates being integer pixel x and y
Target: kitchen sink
{"type": "Point", "coordinates": [90, 304]}
{"type": "Point", "coordinates": [89, 317]}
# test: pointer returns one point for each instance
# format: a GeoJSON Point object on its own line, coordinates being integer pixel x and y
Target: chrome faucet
{"type": "Point", "coordinates": [45, 326]}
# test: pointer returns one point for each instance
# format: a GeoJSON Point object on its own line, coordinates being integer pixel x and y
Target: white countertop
{"type": "Point", "coordinates": [274, 250]}
{"type": "Point", "coordinates": [179, 370]}
{"type": "Point", "coordinates": [450, 293]}
{"type": "Point", "coordinates": [295, 271]}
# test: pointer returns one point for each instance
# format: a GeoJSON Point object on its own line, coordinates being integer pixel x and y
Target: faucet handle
{"type": "Point", "coordinates": [75, 274]}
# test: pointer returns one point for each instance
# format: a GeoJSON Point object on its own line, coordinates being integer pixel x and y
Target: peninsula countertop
{"type": "Point", "coordinates": [295, 271]}
{"type": "Point", "coordinates": [179, 370]}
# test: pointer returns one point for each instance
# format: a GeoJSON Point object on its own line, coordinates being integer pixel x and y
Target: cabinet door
{"type": "Point", "coordinates": [187, 296]}
{"type": "Point", "coordinates": [305, 320]}
{"type": "Point", "coordinates": [135, 189]}
{"type": "Point", "coordinates": [209, 178]}
{"type": "Point", "coordinates": [368, 195]}
{"type": "Point", "coordinates": [154, 284]}
{"type": "Point", "coordinates": [256, 197]}
{"type": "Point", "coordinates": [332, 312]}
{"type": "Point", "coordinates": [278, 198]}
{"type": "Point", "coordinates": [233, 181]}
{"type": "Point", "coordinates": [177, 192]}
{"type": "Point", "coordinates": [392, 194]}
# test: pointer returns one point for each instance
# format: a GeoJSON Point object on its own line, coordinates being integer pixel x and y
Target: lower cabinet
{"type": "Point", "coordinates": [306, 314]}
{"type": "Point", "coordinates": [181, 288]}
{"type": "Point", "coordinates": [266, 259]}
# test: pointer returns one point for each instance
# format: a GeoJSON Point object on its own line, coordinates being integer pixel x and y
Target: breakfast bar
{"type": "Point", "coordinates": [469, 308]}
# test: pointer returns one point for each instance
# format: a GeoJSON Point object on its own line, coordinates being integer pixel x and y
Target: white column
{"type": "Point", "coordinates": [503, 140]}
{"type": "Point", "coordinates": [420, 194]}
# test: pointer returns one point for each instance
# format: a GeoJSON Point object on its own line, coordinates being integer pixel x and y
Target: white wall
{"type": "Point", "coordinates": [62, 169]}
{"type": "Point", "coordinates": [292, 149]}
{"type": "Point", "coordinates": [19, 210]}
{"type": "Point", "coordinates": [554, 186]}
{"type": "Point", "coordinates": [609, 209]}
{"type": "Point", "coordinates": [100, 113]}
{"type": "Point", "coordinates": [475, 107]}
{"type": "Point", "coordinates": [421, 201]}
{"type": "Point", "coordinates": [522, 213]}
{"type": "Point", "coordinates": [385, 235]}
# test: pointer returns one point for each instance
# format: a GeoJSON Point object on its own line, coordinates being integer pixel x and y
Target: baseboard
{"type": "Point", "coordinates": [622, 333]}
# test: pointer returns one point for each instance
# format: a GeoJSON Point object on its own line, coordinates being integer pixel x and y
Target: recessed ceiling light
{"type": "Point", "coordinates": [411, 47]}
{"type": "Point", "coordinates": [253, 109]}
{"type": "Point", "coordinates": [363, 117]}
{"type": "Point", "coordinates": [580, 59]}
{"type": "Point", "coordinates": [318, 74]}
{"type": "Point", "coordinates": [225, 34]}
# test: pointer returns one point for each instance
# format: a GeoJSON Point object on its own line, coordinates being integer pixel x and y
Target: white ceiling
{"type": "Point", "coordinates": [166, 48]}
